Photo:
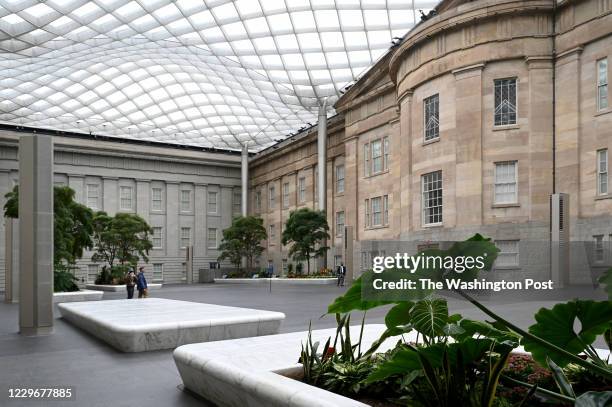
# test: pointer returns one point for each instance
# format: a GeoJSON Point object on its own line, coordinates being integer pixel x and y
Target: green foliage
{"type": "Point", "coordinates": [124, 237]}
{"type": "Point", "coordinates": [243, 239]}
{"type": "Point", "coordinates": [72, 223]}
{"type": "Point", "coordinates": [306, 230]}
{"type": "Point", "coordinates": [64, 279]}
{"type": "Point", "coordinates": [114, 275]}
{"type": "Point", "coordinates": [556, 326]}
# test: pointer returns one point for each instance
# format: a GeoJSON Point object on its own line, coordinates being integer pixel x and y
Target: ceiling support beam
{"type": "Point", "coordinates": [244, 187]}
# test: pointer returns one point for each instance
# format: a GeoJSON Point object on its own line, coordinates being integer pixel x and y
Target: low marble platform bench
{"type": "Point", "coordinates": [139, 325]}
{"type": "Point", "coordinates": [260, 371]}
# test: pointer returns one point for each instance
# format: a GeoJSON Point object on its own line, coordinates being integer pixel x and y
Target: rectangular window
{"type": "Point", "coordinates": [602, 84]}
{"type": "Point", "coordinates": [337, 260]}
{"type": "Point", "coordinates": [505, 101]}
{"type": "Point", "coordinates": [272, 234]}
{"type": "Point", "coordinates": [93, 194]}
{"type": "Point", "coordinates": [125, 201]}
{"type": "Point", "coordinates": [272, 197]}
{"type": "Point", "coordinates": [92, 273]}
{"type": "Point", "coordinates": [237, 202]}
{"type": "Point", "coordinates": [505, 182]}
{"type": "Point", "coordinates": [157, 238]}
{"type": "Point", "coordinates": [376, 204]}
{"type": "Point", "coordinates": [302, 190]}
{"type": "Point", "coordinates": [385, 210]}
{"type": "Point", "coordinates": [258, 201]}
{"type": "Point", "coordinates": [508, 255]}
{"type": "Point", "coordinates": [339, 179]}
{"type": "Point", "coordinates": [366, 160]}
{"type": "Point", "coordinates": [185, 238]}
{"type": "Point", "coordinates": [602, 172]}
{"type": "Point", "coordinates": [599, 249]}
{"type": "Point", "coordinates": [212, 202]}
{"type": "Point", "coordinates": [185, 200]}
{"type": "Point", "coordinates": [432, 198]}
{"type": "Point", "coordinates": [340, 223]}
{"type": "Point", "coordinates": [367, 213]}
{"type": "Point", "coordinates": [377, 160]}
{"type": "Point", "coordinates": [211, 238]}
{"type": "Point", "coordinates": [431, 117]}
{"type": "Point", "coordinates": [158, 272]}
{"type": "Point", "coordinates": [285, 195]}
{"type": "Point", "coordinates": [156, 199]}
{"type": "Point", "coordinates": [385, 153]}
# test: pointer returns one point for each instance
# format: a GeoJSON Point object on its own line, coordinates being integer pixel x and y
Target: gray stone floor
{"type": "Point", "coordinates": [101, 376]}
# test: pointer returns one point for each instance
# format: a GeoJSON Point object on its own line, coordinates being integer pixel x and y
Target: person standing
{"type": "Point", "coordinates": [130, 282]}
{"type": "Point", "coordinates": [141, 283]}
{"type": "Point", "coordinates": [341, 272]}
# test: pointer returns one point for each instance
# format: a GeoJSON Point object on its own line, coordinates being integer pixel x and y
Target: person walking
{"type": "Point", "coordinates": [141, 283]}
{"type": "Point", "coordinates": [341, 272]}
{"type": "Point", "coordinates": [130, 282]}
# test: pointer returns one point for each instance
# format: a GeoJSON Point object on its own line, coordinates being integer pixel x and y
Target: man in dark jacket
{"type": "Point", "coordinates": [141, 283]}
{"type": "Point", "coordinates": [130, 282]}
{"type": "Point", "coordinates": [341, 272]}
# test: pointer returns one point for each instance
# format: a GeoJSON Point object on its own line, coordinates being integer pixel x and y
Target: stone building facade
{"type": "Point", "coordinates": [187, 196]}
{"type": "Point", "coordinates": [468, 125]}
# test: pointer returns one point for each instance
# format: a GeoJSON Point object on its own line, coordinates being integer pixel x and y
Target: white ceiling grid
{"type": "Point", "coordinates": [206, 73]}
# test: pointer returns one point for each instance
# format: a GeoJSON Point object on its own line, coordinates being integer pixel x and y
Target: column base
{"type": "Point", "coordinates": [36, 331]}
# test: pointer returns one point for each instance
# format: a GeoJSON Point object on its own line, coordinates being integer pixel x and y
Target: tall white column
{"type": "Point", "coordinates": [322, 156]}
{"type": "Point", "coordinates": [245, 178]}
{"type": "Point", "coordinates": [36, 235]}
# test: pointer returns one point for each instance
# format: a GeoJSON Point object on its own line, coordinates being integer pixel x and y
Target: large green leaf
{"type": "Point", "coordinates": [351, 300]}
{"type": "Point", "coordinates": [594, 399]}
{"type": "Point", "coordinates": [399, 315]}
{"type": "Point", "coordinates": [482, 328]}
{"type": "Point", "coordinates": [429, 317]}
{"type": "Point", "coordinates": [556, 326]}
{"type": "Point", "coordinates": [404, 361]}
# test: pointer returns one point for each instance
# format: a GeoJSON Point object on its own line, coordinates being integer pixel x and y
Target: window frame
{"type": "Point", "coordinates": [271, 197]}
{"type": "Point", "coordinates": [184, 202]}
{"type": "Point", "coordinates": [602, 175]}
{"type": "Point", "coordinates": [182, 237]}
{"type": "Point", "coordinates": [340, 226]}
{"type": "Point", "coordinates": [367, 213]}
{"type": "Point", "coordinates": [285, 195]}
{"type": "Point", "coordinates": [121, 198]}
{"type": "Point", "coordinates": [160, 200]}
{"type": "Point", "coordinates": [514, 265]}
{"type": "Point", "coordinates": [258, 201]}
{"type": "Point", "coordinates": [161, 272]}
{"type": "Point", "coordinates": [88, 189]}
{"type": "Point", "coordinates": [424, 199]}
{"type": "Point", "coordinates": [272, 234]}
{"type": "Point", "coordinates": [236, 203]}
{"type": "Point", "coordinates": [160, 237]}
{"type": "Point", "coordinates": [426, 104]}
{"type": "Point", "coordinates": [602, 87]}
{"type": "Point", "coordinates": [496, 183]}
{"type": "Point", "coordinates": [208, 240]}
{"type": "Point", "coordinates": [209, 203]}
{"type": "Point", "coordinates": [340, 179]}
{"type": "Point", "coordinates": [598, 249]}
{"type": "Point", "coordinates": [515, 105]}
{"type": "Point", "coordinates": [302, 189]}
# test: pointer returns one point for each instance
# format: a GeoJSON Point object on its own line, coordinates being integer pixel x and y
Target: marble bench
{"type": "Point", "coordinates": [77, 296]}
{"type": "Point", "coordinates": [139, 325]}
{"type": "Point", "coordinates": [119, 287]}
{"type": "Point", "coordinates": [259, 371]}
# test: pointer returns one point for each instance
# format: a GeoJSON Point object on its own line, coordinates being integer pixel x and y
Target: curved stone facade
{"type": "Point", "coordinates": [515, 87]}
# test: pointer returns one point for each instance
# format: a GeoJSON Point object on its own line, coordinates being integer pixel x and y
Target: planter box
{"type": "Point", "coordinates": [140, 325]}
{"type": "Point", "coordinates": [77, 296]}
{"type": "Point", "coordinates": [278, 281]}
{"type": "Point", "coordinates": [116, 288]}
{"type": "Point", "coordinates": [256, 371]}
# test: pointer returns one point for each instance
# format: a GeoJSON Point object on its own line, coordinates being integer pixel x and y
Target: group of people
{"type": "Point", "coordinates": [136, 280]}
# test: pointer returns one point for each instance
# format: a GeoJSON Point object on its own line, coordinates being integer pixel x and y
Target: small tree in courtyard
{"type": "Point", "coordinates": [72, 230]}
{"type": "Point", "coordinates": [123, 239]}
{"type": "Point", "coordinates": [243, 239]}
{"type": "Point", "coordinates": [306, 230]}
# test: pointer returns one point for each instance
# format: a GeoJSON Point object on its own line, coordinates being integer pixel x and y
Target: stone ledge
{"type": "Point", "coordinates": [120, 287]}
{"type": "Point", "coordinates": [253, 371]}
{"type": "Point", "coordinates": [281, 281]}
{"type": "Point", "coordinates": [156, 323]}
{"type": "Point", "coordinates": [77, 296]}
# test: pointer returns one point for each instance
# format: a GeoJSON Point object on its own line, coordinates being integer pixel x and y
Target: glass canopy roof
{"type": "Point", "coordinates": [207, 73]}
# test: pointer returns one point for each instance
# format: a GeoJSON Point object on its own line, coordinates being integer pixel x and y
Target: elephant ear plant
{"type": "Point", "coordinates": [456, 361]}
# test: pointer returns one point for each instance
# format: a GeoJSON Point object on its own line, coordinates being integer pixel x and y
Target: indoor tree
{"type": "Point", "coordinates": [72, 230]}
{"type": "Point", "coordinates": [306, 230]}
{"type": "Point", "coordinates": [120, 240]}
{"type": "Point", "coordinates": [243, 239]}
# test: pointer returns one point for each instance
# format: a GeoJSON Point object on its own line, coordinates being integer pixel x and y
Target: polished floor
{"type": "Point", "coordinates": [102, 376]}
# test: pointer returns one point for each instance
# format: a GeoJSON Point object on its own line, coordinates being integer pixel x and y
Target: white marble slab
{"type": "Point", "coordinates": [120, 287]}
{"type": "Point", "coordinates": [77, 296]}
{"type": "Point", "coordinates": [252, 371]}
{"type": "Point", "coordinates": [139, 325]}
{"type": "Point", "coordinates": [279, 281]}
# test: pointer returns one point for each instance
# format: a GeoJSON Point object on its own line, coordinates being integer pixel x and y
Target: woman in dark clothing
{"type": "Point", "coordinates": [141, 283]}
{"type": "Point", "coordinates": [130, 282]}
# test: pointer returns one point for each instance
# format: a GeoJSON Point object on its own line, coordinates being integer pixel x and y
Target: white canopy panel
{"type": "Point", "coordinates": [208, 73]}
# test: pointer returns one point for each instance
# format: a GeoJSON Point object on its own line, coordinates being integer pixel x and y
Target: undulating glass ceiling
{"type": "Point", "coordinates": [209, 73]}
